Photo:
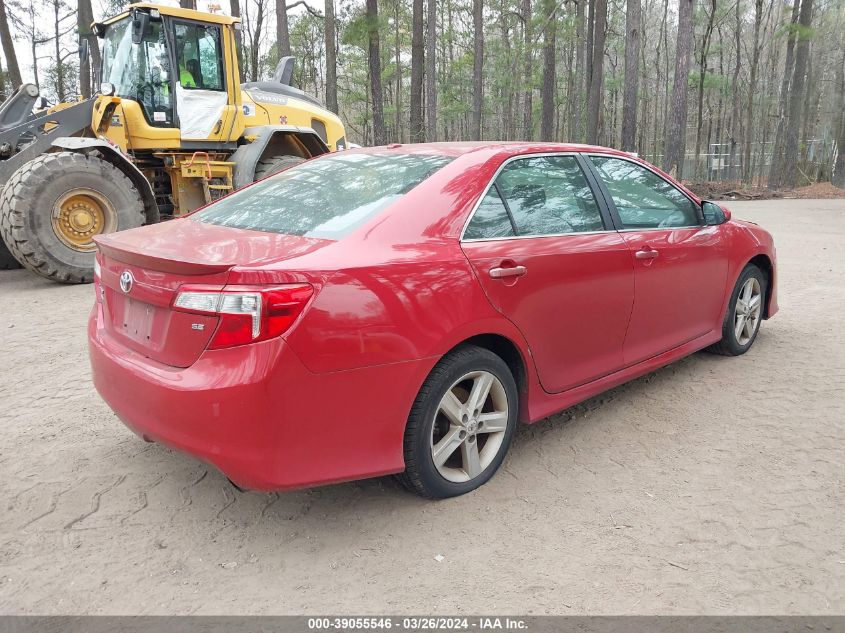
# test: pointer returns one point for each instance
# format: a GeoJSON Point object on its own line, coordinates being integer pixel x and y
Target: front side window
{"type": "Point", "coordinates": [549, 195]}
{"type": "Point", "coordinates": [326, 198]}
{"type": "Point", "coordinates": [199, 55]}
{"type": "Point", "coordinates": [643, 199]}
{"type": "Point", "coordinates": [140, 72]}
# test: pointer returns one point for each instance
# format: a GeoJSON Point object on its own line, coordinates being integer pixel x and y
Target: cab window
{"type": "Point", "coordinates": [140, 71]}
{"type": "Point", "coordinates": [199, 56]}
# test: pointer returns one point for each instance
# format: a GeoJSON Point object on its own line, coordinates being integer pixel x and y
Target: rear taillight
{"type": "Point", "coordinates": [248, 314]}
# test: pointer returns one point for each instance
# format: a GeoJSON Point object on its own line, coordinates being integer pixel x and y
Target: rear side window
{"type": "Point", "coordinates": [490, 220]}
{"type": "Point", "coordinates": [326, 198]}
{"type": "Point", "coordinates": [549, 195]}
{"type": "Point", "coordinates": [643, 199]}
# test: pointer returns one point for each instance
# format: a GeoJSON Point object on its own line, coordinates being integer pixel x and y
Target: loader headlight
{"type": "Point", "coordinates": [107, 89]}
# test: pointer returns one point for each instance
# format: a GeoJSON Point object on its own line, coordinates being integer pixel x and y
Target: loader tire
{"type": "Point", "coordinates": [274, 164]}
{"type": "Point", "coordinates": [52, 207]}
{"type": "Point", "coordinates": [7, 260]}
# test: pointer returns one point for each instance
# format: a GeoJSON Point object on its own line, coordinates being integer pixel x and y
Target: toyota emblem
{"type": "Point", "coordinates": [126, 281]}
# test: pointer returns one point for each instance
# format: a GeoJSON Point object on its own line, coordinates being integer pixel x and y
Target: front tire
{"type": "Point", "coordinates": [461, 424]}
{"type": "Point", "coordinates": [745, 313]}
{"type": "Point", "coordinates": [53, 206]}
{"type": "Point", "coordinates": [274, 164]}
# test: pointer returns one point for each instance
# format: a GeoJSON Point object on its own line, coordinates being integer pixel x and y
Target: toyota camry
{"type": "Point", "coordinates": [399, 310]}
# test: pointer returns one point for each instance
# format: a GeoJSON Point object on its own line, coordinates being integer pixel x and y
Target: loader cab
{"type": "Point", "coordinates": [174, 68]}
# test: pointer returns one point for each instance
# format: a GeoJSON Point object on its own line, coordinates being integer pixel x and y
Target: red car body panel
{"type": "Point", "coordinates": [328, 400]}
{"type": "Point", "coordinates": [679, 294]}
{"type": "Point", "coordinates": [590, 278]}
{"type": "Point", "coordinates": [257, 413]}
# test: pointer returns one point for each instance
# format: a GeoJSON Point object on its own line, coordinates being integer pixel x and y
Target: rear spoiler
{"type": "Point", "coordinates": [121, 253]}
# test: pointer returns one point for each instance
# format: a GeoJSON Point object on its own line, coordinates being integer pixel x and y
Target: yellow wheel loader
{"type": "Point", "coordinates": [171, 129]}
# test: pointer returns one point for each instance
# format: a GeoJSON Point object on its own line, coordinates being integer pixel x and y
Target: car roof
{"type": "Point", "coordinates": [460, 148]}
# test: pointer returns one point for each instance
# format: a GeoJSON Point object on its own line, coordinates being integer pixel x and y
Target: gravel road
{"type": "Point", "coordinates": [714, 485]}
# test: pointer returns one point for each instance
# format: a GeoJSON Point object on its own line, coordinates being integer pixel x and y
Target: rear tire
{"type": "Point", "coordinates": [7, 260]}
{"type": "Point", "coordinates": [745, 313]}
{"type": "Point", "coordinates": [461, 424]}
{"type": "Point", "coordinates": [274, 164]}
{"type": "Point", "coordinates": [53, 206]}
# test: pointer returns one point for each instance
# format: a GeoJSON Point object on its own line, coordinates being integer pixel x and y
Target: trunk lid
{"type": "Point", "coordinates": [163, 257]}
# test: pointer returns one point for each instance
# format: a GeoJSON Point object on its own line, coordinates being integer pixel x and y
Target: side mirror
{"type": "Point", "coordinates": [284, 71]}
{"type": "Point", "coordinates": [84, 51]}
{"type": "Point", "coordinates": [140, 26]}
{"type": "Point", "coordinates": [714, 214]}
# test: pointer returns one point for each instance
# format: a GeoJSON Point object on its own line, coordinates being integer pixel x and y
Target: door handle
{"type": "Point", "coordinates": [647, 253]}
{"type": "Point", "coordinates": [510, 271]}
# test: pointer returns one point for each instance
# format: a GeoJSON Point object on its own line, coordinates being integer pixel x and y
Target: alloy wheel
{"type": "Point", "coordinates": [749, 305]}
{"type": "Point", "coordinates": [469, 426]}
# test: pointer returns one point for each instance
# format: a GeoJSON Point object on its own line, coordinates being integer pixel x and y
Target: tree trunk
{"type": "Point", "coordinates": [235, 11]}
{"type": "Point", "coordinates": [752, 89]}
{"type": "Point", "coordinates": [702, 75]}
{"type": "Point", "coordinates": [255, 40]}
{"type": "Point", "coordinates": [399, 113]}
{"type": "Point", "coordinates": [379, 137]}
{"type": "Point", "coordinates": [735, 125]}
{"type": "Point", "coordinates": [673, 158]}
{"type": "Point", "coordinates": [527, 70]}
{"type": "Point", "coordinates": [666, 83]}
{"type": "Point", "coordinates": [417, 61]}
{"type": "Point", "coordinates": [547, 116]}
{"type": "Point", "coordinates": [659, 82]}
{"type": "Point", "coordinates": [838, 178]}
{"type": "Point", "coordinates": [712, 173]}
{"type": "Point", "coordinates": [330, 38]}
{"type": "Point", "coordinates": [792, 144]}
{"type": "Point", "coordinates": [809, 109]}
{"type": "Point", "coordinates": [282, 33]}
{"type": "Point", "coordinates": [594, 103]}
{"type": "Point", "coordinates": [57, 40]}
{"type": "Point", "coordinates": [776, 169]}
{"type": "Point", "coordinates": [632, 58]}
{"type": "Point", "coordinates": [85, 17]}
{"type": "Point", "coordinates": [453, 128]}
{"type": "Point", "coordinates": [477, 68]}
{"type": "Point", "coordinates": [431, 73]}
{"type": "Point", "coordinates": [33, 47]}
{"type": "Point", "coordinates": [507, 93]}
{"type": "Point", "coordinates": [577, 124]}
{"type": "Point", "coordinates": [588, 53]}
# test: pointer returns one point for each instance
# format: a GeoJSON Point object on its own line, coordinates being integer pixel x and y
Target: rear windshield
{"type": "Point", "coordinates": [326, 198]}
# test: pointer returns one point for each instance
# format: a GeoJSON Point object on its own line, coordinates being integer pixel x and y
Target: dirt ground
{"type": "Point", "coordinates": [714, 485]}
{"type": "Point", "coordinates": [733, 190]}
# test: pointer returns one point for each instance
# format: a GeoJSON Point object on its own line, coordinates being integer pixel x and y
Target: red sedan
{"type": "Point", "coordinates": [401, 309]}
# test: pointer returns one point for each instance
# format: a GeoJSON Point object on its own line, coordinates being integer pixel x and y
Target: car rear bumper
{"type": "Point", "coordinates": [257, 414]}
